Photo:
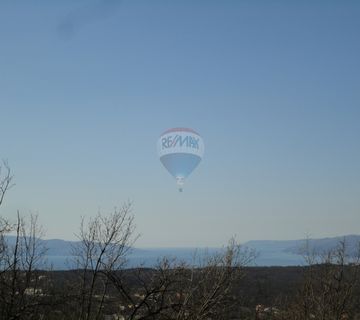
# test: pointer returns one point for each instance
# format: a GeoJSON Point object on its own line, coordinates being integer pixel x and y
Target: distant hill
{"type": "Point", "coordinates": [270, 252]}
{"type": "Point", "coordinates": [291, 252]}
{"type": "Point", "coordinates": [326, 244]}
{"type": "Point", "coordinates": [298, 246]}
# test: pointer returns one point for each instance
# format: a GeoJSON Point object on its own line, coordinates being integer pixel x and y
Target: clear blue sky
{"type": "Point", "coordinates": [86, 88]}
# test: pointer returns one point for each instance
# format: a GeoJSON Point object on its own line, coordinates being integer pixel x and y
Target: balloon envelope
{"type": "Point", "coordinates": [180, 151]}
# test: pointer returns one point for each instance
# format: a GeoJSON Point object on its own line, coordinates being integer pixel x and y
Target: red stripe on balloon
{"type": "Point", "coordinates": [181, 130]}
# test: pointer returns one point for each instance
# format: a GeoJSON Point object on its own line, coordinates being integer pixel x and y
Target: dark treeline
{"type": "Point", "coordinates": [217, 286]}
{"type": "Point", "coordinates": [260, 293]}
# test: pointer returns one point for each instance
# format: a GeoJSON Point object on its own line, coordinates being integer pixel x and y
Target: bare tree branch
{"type": "Point", "coordinates": [5, 180]}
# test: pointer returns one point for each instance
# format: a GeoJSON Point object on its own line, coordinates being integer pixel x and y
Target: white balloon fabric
{"type": "Point", "coordinates": [180, 151]}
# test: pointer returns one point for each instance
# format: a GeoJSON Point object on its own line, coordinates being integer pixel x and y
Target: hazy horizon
{"type": "Point", "coordinates": [87, 87]}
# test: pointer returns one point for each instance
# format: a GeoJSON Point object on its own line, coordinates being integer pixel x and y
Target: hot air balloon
{"type": "Point", "coordinates": [180, 151]}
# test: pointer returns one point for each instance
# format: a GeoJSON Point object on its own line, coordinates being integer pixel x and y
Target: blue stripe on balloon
{"type": "Point", "coordinates": [180, 164]}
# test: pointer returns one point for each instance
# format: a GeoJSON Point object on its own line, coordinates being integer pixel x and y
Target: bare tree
{"type": "Point", "coordinates": [171, 290]}
{"type": "Point", "coordinates": [176, 290]}
{"type": "Point", "coordinates": [5, 184]}
{"type": "Point", "coordinates": [104, 244]}
{"type": "Point", "coordinates": [329, 282]}
{"type": "Point", "coordinates": [5, 180]}
{"type": "Point", "coordinates": [207, 292]}
{"type": "Point", "coordinates": [22, 257]}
